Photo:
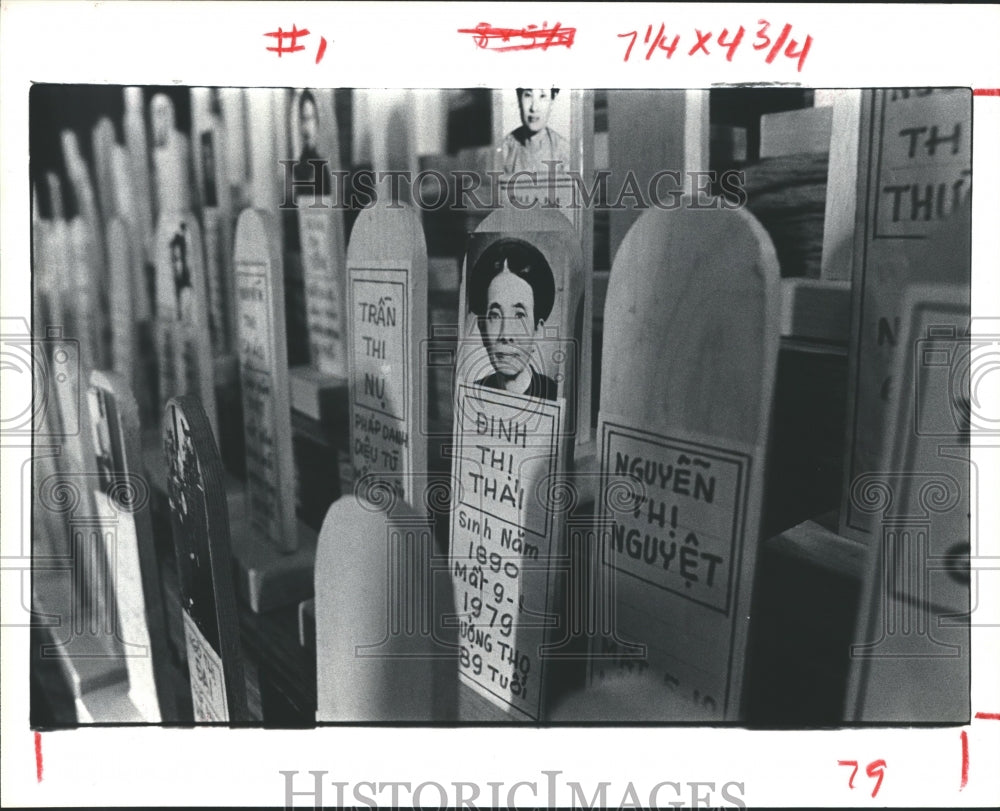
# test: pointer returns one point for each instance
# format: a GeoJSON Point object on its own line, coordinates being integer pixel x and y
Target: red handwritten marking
{"type": "Point", "coordinates": [780, 42]}
{"type": "Point", "coordinates": [281, 35]}
{"type": "Point", "coordinates": [783, 45]}
{"type": "Point", "coordinates": [533, 36]}
{"type": "Point", "coordinates": [854, 763]}
{"type": "Point", "coordinates": [700, 44]}
{"type": "Point", "coordinates": [965, 760]}
{"type": "Point", "coordinates": [876, 767]}
{"type": "Point", "coordinates": [986, 91]}
{"type": "Point", "coordinates": [38, 755]}
{"type": "Point", "coordinates": [322, 49]}
{"type": "Point", "coordinates": [990, 716]}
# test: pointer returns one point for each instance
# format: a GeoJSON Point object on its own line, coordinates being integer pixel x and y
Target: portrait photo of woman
{"type": "Point", "coordinates": [511, 293]}
{"type": "Point", "coordinates": [311, 167]}
{"type": "Point", "coordinates": [532, 146]}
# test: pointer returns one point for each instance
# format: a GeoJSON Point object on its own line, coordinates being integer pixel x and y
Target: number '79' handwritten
{"type": "Point", "coordinates": [875, 769]}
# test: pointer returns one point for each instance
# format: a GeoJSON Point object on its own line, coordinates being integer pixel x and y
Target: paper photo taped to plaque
{"type": "Point", "coordinates": [108, 453]}
{"type": "Point", "coordinates": [536, 129]}
{"type": "Point", "coordinates": [312, 140]}
{"type": "Point", "coordinates": [540, 139]}
{"type": "Point", "coordinates": [511, 300]}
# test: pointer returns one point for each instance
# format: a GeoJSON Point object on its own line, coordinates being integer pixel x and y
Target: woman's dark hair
{"type": "Point", "coordinates": [553, 90]}
{"type": "Point", "coordinates": [523, 260]}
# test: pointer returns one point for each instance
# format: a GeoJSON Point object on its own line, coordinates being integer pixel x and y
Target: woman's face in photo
{"type": "Point", "coordinates": [535, 108]}
{"type": "Point", "coordinates": [509, 323]}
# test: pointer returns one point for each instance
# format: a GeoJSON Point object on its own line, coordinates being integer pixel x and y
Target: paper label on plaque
{"type": "Point", "coordinates": [380, 375]}
{"type": "Point", "coordinates": [322, 288]}
{"type": "Point", "coordinates": [674, 514]}
{"type": "Point", "coordinates": [256, 332]}
{"type": "Point", "coordinates": [502, 539]}
{"type": "Point", "coordinates": [919, 162]}
{"type": "Point", "coordinates": [208, 685]}
{"type": "Point", "coordinates": [679, 527]}
{"type": "Point", "coordinates": [924, 161]}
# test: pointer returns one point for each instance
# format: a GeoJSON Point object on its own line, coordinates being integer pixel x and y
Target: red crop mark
{"type": "Point", "coordinates": [981, 716]}
{"type": "Point", "coordinates": [38, 755]}
{"type": "Point", "coordinates": [965, 760]}
{"type": "Point", "coordinates": [490, 38]}
{"type": "Point", "coordinates": [322, 49]}
{"type": "Point", "coordinates": [987, 91]}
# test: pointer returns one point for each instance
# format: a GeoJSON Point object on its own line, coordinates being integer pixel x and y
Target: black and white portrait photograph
{"type": "Point", "coordinates": [625, 441]}
{"type": "Point", "coordinates": [511, 292]}
{"type": "Point", "coordinates": [540, 142]}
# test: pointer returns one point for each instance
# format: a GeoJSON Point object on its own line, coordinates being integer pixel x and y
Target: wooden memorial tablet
{"type": "Point", "coordinates": [126, 208]}
{"type": "Point", "coordinates": [129, 272]}
{"type": "Point", "coordinates": [915, 170]}
{"type": "Point", "coordinates": [515, 387]}
{"type": "Point", "coordinates": [121, 252]}
{"type": "Point", "coordinates": [264, 376]}
{"type": "Point", "coordinates": [72, 582]}
{"type": "Point", "coordinates": [383, 135]}
{"type": "Point", "coordinates": [200, 522]}
{"type": "Point", "coordinates": [840, 212]}
{"type": "Point", "coordinates": [137, 150]}
{"type": "Point", "coordinates": [46, 299]}
{"type": "Point", "coordinates": [688, 374]}
{"type": "Point", "coordinates": [387, 302]}
{"type": "Point", "coordinates": [651, 132]}
{"type": "Point", "coordinates": [545, 156]}
{"type": "Point", "coordinates": [54, 256]}
{"type": "Point", "coordinates": [911, 660]}
{"type": "Point", "coordinates": [85, 203]}
{"type": "Point", "coordinates": [122, 498]}
{"type": "Point", "coordinates": [232, 103]}
{"type": "Point", "coordinates": [171, 159]}
{"type": "Point", "coordinates": [275, 569]}
{"type": "Point", "coordinates": [85, 287]}
{"type": "Point", "coordinates": [264, 148]}
{"type": "Point", "coordinates": [87, 280]}
{"type": "Point", "coordinates": [315, 229]}
{"type": "Point", "coordinates": [216, 214]}
{"type": "Point", "coordinates": [384, 650]}
{"type": "Point", "coordinates": [102, 141]}
{"type": "Point", "coordinates": [184, 353]}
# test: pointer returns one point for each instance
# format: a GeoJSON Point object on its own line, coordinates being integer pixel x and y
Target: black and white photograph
{"type": "Point", "coordinates": [539, 141]}
{"type": "Point", "coordinates": [703, 285]}
{"type": "Point", "coordinates": [667, 414]}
